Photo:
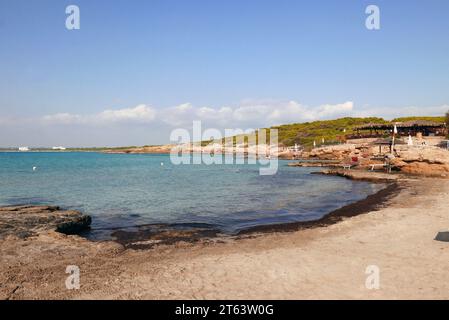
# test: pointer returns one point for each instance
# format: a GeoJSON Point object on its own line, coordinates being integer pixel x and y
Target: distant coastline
{"type": "Point", "coordinates": [322, 132]}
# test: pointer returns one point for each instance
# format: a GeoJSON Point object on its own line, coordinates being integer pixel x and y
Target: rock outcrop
{"type": "Point", "coordinates": [361, 175]}
{"type": "Point", "coordinates": [337, 152]}
{"type": "Point", "coordinates": [422, 154]}
{"type": "Point", "coordinates": [427, 169]}
{"type": "Point", "coordinates": [27, 220]}
{"type": "Point", "coordinates": [418, 160]}
{"type": "Point", "coordinates": [428, 161]}
{"type": "Point", "coordinates": [163, 149]}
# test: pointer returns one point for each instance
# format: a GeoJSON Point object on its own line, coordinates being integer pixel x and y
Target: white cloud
{"type": "Point", "coordinates": [254, 114]}
{"type": "Point", "coordinates": [140, 114]}
{"type": "Point", "coordinates": [146, 124]}
{"type": "Point", "coordinates": [332, 110]}
{"type": "Point", "coordinates": [247, 114]}
{"type": "Point", "coordinates": [63, 118]}
{"type": "Point", "coordinates": [176, 116]}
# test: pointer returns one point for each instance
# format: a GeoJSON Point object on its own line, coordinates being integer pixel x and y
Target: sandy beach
{"type": "Point", "coordinates": [326, 262]}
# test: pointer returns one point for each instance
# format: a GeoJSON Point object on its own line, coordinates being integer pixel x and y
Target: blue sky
{"type": "Point", "coordinates": [136, 69]}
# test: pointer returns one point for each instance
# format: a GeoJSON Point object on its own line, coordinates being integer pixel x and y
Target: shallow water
{"type": "Point", "coordinates": [120, 190]}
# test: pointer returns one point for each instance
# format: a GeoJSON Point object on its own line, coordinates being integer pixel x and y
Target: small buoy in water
{"type": "Point", "coordinates": [162, 163]}
{"type": "Point", "coordinates": [34, 168]}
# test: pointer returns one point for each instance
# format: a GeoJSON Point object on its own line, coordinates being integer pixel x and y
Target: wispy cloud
{"type": "Point", "coordinates": [145, 124]}
{"type": "Point", "coordinates": [140, 114]}
{"type": "Point", "coordinates": [250, 113]}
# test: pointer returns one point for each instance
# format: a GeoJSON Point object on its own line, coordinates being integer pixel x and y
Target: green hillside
{"type": "Point", "coordinates": [434, 119]}
{"type": "Point", "coordinates": [331, 131]}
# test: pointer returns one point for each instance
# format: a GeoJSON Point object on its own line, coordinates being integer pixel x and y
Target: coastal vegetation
{"type": "Point", "coordinates": [326, 132]}
{"type": "Point", "coordinates": [321, 132]}
{"type": "Point", "coordinates": [331, 131]}
{"type": "Point", "coordinates": [433, 119]}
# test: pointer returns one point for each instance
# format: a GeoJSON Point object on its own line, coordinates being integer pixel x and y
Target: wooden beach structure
{"type": "Point", "coordinates": [382, 143]}
{"type": "Point", "coordinates": [414, 128]}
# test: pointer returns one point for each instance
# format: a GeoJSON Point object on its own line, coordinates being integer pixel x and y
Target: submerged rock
{"type": "Point", "coordinates": [28, 220]}
{"type": "Point", "coordinates": [361, 175]}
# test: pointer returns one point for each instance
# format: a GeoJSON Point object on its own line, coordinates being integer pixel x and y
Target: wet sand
{"type": "Point", "coordinates": [327, 261]}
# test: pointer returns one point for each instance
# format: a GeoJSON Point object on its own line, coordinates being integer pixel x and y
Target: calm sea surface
{"type": "Point", "coordinates": [120, 190]}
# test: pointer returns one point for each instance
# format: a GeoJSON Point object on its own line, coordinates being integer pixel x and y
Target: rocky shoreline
{"type": "Point", "coordinates": [430, 161]}
{"type": "Point", "coordinates": [33, 263]}
{"type": "Point", "coordinates": [29, 220]}
{"type": "Point", "coordinates": [269, 264]}
{"type": "Point", "coordinates": [359, 175]}
{"type": "Point", "coordinates": [411, 160]}
{"type": "Point", "coordinates": [162, 149]}
{"type": "Point", "coordinates": [26, 221]}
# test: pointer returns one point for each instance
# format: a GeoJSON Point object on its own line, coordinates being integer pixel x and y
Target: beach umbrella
{"type": "Point", "coordinates": [410, 141]}
{"type": "Point", "coordinates": [395, 132]}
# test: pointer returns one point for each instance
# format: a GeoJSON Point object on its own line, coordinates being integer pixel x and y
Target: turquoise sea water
{"type": "Point", "coordinates": [120, 190]}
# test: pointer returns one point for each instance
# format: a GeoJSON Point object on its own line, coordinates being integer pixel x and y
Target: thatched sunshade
{"type": "Point", "coordinates": [375, 126]}
{"type": "Point", "coordinates": [399, 125]}
{"type": "Point", "coordinates": [421, 123]}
